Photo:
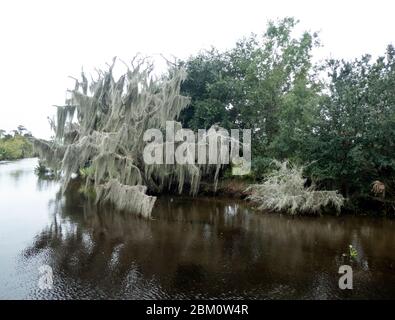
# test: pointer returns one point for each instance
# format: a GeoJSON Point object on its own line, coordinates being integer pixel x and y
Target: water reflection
{"type": "Point", "coordinates": [203, 248]}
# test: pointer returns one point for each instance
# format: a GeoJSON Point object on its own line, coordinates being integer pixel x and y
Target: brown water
{"type": "Point", "coordinates": [193, 248]}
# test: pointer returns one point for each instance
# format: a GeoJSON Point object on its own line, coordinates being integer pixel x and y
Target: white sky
{"type": "Point", "coordinates": [44, 42]}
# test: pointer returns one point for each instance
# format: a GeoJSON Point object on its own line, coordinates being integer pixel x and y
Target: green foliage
{"type": "Point", "coordinates": [247, 86]}
{"type": "Point", "coordinates": [260, 167]}
{"type": "Point", "coordinates": [267, 84]}
{"type": "Point", "coordinates": [353, 139]}
{"type": "Point", "coordinates": [206, 84]}
{"type": "Point", "coordinates": [352, 252]}
{"type": "Point", "coordinates": [15, 147]}
{"type": "Point", "coordinates": [44, 172]}
{"type": "Point", "coordinates": [40, 169]}
{"type": "Point", "coordinates": [338, 116]}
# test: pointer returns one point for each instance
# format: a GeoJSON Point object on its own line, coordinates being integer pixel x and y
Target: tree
{"type": "Point", "coordinates": [267, 84]}
{"type": "Point", "coordinates": [353, 137]}
{"type": "Point", "coordinates": [17, 147]}
{"type": "Point", "coordinates": [108, 137]}
{"type": "Point", "coordinates": [21, 129]}
{"type": "Point", "coordinates": [205, 73]}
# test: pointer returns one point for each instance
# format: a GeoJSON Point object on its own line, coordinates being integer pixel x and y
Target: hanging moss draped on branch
{"type": "Point", "coordinates": [284, 190]}
{"type": "Point", "coordinates": [102, 126]}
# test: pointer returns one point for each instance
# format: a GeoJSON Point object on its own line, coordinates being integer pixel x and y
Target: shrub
{"type": "Point", "coordinates": [284, 190]}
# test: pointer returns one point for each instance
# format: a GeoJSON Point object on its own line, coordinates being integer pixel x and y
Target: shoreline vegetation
{"type": "Point", "coordinates": [330, 126]}
{"type": "Point", "coordinates": [16, 144]}
{"type": "Point", "coordinates": [228, 188]}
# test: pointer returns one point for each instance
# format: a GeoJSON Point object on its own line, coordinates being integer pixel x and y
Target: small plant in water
{"type": "Point", "coordinates": [40, 169]}
{"type": "Point", "coordinates": [352, 252]}
{"type": "Point", "coordinates": [43, 172]}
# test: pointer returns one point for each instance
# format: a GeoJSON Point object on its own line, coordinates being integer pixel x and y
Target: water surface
{"type": "Point", "coordinates": [192, 248]}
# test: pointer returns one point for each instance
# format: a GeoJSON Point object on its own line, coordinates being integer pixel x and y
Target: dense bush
{"type": "Point", "coordinates": [284, 189]}
{"type": "Point", "coordinates": [16, 147]}
{"type": "Point", "coordinates": [339, 116]}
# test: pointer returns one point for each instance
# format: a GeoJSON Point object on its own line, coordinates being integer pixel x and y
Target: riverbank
{"type": "Point", "coordinates": [229, 187]}
{"type": "Point", "coordinates": [237, 189]}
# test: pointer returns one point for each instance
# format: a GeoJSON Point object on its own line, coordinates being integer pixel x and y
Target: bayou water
{"type": "Point", "coordinates": [192, 248]}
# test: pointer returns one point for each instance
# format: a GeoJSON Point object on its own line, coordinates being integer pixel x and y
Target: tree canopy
{"type": "Point", "coordinates": [336, 118]}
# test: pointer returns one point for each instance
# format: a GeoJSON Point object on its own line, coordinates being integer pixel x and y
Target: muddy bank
{"type": "Point", "coordinates": [227, 188]}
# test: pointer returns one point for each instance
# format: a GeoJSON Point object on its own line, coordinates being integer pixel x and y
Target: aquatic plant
{"type": "Point", "coordinates": [43, 172]}
{"type": "Point", "coordinates": [40, 169]}
{"type": "Point", "coordinates": [353, 253]}
{"type": "Point", "coordinates": [284, 190]}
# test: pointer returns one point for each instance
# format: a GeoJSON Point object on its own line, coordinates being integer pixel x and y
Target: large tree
{"type": "Point", "coordinates": [265, 83]}
{"type": "Point", "coordinates": [101, 130]}
{"type": "Point", "coordinates": [353, 139]}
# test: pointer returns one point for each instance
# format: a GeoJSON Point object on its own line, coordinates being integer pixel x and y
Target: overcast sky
{"type": "Point", "coordinates": [43, 42]}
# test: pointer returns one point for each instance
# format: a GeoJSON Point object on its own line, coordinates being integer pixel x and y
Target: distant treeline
{"type": "Point", "coordinates": [336, 117]}
{"type": "Point", "coordinates": [15, 144]}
